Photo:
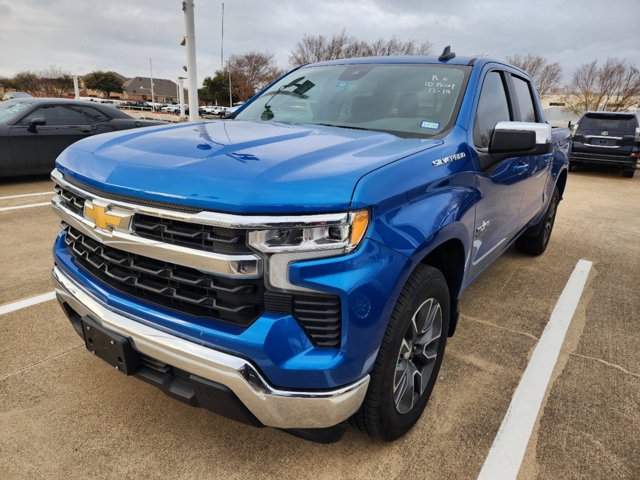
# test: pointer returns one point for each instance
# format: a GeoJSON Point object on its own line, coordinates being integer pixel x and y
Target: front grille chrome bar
{"type": "Point", "coordinates": [231, 266]}
{"type": "Point", "coordinates": [216, 219]}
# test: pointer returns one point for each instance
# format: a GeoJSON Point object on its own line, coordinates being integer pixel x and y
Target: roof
{"type": "Point", "coordinates": [395, 59]}
{"type": "Point", "coordinates": [603, 112]}
{"type": "Point", "coordinates": [142, 86]}
{"type": "Point", "coordinates": [416, 59]}
{"type": "Point", "coordinates": [113, 112]}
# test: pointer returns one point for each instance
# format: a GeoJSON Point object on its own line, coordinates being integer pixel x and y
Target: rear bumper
{"type": "Point", "coordinates": [596, 158]}
{"type": "Point", "coordinates": [271, 406]}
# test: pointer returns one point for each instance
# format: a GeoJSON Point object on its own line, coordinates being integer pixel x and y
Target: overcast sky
{"type": "Point", "coordinates": [121, 35]}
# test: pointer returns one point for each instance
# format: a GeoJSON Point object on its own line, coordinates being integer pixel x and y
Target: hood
{"type": "Point", "coordinates": [236, 166]}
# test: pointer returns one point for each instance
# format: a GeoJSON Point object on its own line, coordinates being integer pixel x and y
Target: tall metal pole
{"type": "Point", "coordinates": [76, 87]}
{"type": "Point", "coordinates": [190, 30]}
{"type": "Point", "coordinates": [222, 58]}
{"type": "Point", "coordinates": [153, 97]}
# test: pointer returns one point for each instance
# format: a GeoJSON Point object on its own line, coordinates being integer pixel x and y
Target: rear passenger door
{"type": "Point", "coordinates": [499, 181]}
{"type": "Point", "coordinates": [536, 173]}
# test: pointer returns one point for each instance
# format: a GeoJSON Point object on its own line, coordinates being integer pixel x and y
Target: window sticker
{"type": "Point", "coordinates": [429, 125]}
{"type": "Point", "coordinates": [342, 84]}
{"type": "Point", "coordinates": [440, 85]}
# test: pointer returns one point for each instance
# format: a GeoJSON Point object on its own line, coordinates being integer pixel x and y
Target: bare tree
{"type": "Point", "coordinates": [319, 48]}
{"type": "Point", "coordinates": [55, 82]}
{"type": "Point", "coordinates": [27, 82]}
{"type": "Point", "coordinates": [546, 76]}
{"type": "Point", "coordinates": [51, 82]}
{"type": "Point", "coordinates": [251, 72]}
{"type": "Point", "coordinates": [614, 87]}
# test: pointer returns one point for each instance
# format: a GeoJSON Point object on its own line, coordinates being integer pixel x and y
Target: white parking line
{"type": "Point", "coordinates": [27, 302]}
{"type": "Point", "coordinates": [507, 451]}
{"type": "Point", "coordinates": [18, 207]}
{"type": "Point", "coordinates": [22, 195]}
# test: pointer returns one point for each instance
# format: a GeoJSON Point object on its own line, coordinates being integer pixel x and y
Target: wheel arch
{"type": "Point", "coordinates": [449, 258]}
{"type": "Point", "coordinates": [561, 183]}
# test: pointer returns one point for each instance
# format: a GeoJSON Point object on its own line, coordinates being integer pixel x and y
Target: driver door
{"type": "Point", "coordinates": [500, 182]}
{"type": "Point", "coordinates": [34, 149]}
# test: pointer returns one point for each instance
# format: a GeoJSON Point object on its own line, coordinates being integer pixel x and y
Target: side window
{"type": "Point", "coordinates": [57, 115]}
{"type": "Point", "coordinates": [493, 107]}
{"type": "Point", "coordinates": [94, 115]}
{"type": "Point", "coordinates": [524, 99]}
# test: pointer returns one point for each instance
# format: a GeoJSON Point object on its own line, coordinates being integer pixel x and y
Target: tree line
{"type": "Point", "coordinates": [613, 85]}
{"type": "Point", "coordinates": [55, 82]}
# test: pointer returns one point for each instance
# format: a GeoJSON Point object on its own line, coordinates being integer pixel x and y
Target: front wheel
{"type": "Point", "coordinates": [409, 358]}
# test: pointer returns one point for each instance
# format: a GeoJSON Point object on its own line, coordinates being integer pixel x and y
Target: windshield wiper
{"type": "Point", "coordinates": [343, 126]}
{"type": "Point", "coordinates": [301, 89]}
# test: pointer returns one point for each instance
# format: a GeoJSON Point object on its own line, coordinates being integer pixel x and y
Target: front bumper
{"type": "Point", "coordinates": [271, 406]}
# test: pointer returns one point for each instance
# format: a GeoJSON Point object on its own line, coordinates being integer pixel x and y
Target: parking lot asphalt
{"type": "Point", "coordinates": [65, 414]}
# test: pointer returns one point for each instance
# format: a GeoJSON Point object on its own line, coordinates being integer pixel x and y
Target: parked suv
{"type": "Point", "coordinates": [607, 138]}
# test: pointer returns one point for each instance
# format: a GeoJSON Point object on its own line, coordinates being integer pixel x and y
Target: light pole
{"type": "Point", "coordinates": [222, 58]}
{"type": "Point", "coordinates": [181, 96]}
{"type": "Point", "coordinates": [153, 98]}
{"type": "Point", "coordinates": [190, 40]}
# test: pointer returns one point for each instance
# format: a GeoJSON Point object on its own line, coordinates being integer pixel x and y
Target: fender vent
{"type": "Point", "coordinates": [320, 316]}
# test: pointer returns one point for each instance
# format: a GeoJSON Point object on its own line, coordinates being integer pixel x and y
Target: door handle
{"type": "Point", "coordinates": [521, 168]}
{"type": "Point", "coordinates": [86, 129]}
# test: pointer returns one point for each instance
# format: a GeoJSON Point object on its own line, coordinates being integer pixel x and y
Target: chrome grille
{"type": "Point", "coordinates": [192, 235]}
{"type": "Point", "coordinates": [70, 200]}
{"type": "Point", "coordinates": [173, 286]}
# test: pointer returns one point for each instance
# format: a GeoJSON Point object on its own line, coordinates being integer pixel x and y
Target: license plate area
{"type": "Point", "coordinates": [114, 349]}
{"type": "Point", "coordinates": [603, 142]}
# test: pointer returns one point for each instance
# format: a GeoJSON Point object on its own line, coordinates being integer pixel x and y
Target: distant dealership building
{"type": "Point", "coordinates": [139, 89]}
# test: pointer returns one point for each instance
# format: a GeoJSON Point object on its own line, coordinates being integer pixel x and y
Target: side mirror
{"type": "Point", "coordinates": [36, 122]}
{"type": "Point", "coordinates": [520, 138]}
{"type": "Point", "coordinates": [227, 114]}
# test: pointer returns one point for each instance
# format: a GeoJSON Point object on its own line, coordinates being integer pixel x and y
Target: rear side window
{"type": "Point", "coordinates": [94, 115]}
{"type": "Point", "coordinates": [524, 100]}
{"type": "Point", "coordinates": [493, 107]}
{"type": "Point", "coordinates": [57, 115]}
{"type": "Point", "coordinates": [622, 123]}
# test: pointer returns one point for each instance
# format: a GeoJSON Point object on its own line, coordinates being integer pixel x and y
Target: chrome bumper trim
{"type": "Point", "coordinates": [272, 406]}
{"type": "Point", "coordinates": [232, 266]}
{"type": "Point", "coordinates": [216, 219]}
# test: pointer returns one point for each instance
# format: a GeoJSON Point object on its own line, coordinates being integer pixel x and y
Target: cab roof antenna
{"type": "Point", "coordinates": [447, 54]}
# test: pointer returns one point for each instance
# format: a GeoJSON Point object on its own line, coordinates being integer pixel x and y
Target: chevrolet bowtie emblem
{"type": "Point", "coordinates": [104, 219]}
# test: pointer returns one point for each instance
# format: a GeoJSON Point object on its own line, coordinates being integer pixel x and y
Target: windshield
{"type": "Point", "coordinates": [11, 110]}
{"type": "Point", "coordinates": [405, 99]}
{"type": "Point", "coordinates": [622, 123]}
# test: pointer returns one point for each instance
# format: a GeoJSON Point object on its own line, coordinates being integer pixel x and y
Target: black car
{"type": "Point", "coordinates": [607, 138]}
{"type": "Point", "coordinates": [34, 131]}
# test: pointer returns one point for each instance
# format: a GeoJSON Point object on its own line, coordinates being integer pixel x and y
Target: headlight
{"type": "Point", "coordinates": [573, 130]}
{"type": "Point", "coordinates": [340, 235]}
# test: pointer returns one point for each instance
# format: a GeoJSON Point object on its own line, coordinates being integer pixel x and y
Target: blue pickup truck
{"type": "Point", "coordinates": [300, 264]}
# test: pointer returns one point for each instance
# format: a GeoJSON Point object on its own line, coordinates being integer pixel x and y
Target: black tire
{"type": "Point", "coordinates": [535, 242]}
{"type": "Point", "coordinates": [379, 415]}
{"type": "Point", "coordinates": [628, 173]}
{"type": "Point", "coordinates": [572, 166]}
